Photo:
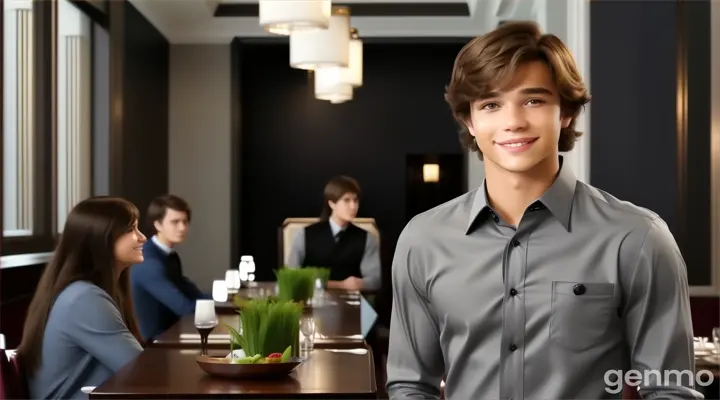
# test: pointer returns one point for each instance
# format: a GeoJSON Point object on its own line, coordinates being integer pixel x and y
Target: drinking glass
{"type": "Point", "coordinates": [205, 321]}
{"type": "Point", "coordinates": [220, 291]}
{"type": "Point", "coordinates": [307, 328]}
{"type": "Point", "coordinates": [232, 280]}
{"type": "Point", "coordinates": [716, 340]}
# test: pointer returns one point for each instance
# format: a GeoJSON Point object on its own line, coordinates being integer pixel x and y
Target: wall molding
{"type": "Point", "coordinates": [577, 38]}
{"type": "Point", "coordinates": [687, 221]}
{"type": "Point", "coordinates": [715, 143]}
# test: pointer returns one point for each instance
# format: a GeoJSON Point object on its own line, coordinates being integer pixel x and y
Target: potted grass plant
{"type": "Point", "coordinates": [268, 327]}
{"type": "Point", "coordinates": [296, 284]}
{"type": "Point", "coordinates": [321, 273]}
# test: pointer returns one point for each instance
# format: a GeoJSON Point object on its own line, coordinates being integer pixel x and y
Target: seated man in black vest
{"type": "Point", "coordinates": [351, 253]}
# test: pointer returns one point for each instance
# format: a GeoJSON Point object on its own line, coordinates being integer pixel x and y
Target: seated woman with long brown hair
{"type": "Point", "coordinates": [80, 329]}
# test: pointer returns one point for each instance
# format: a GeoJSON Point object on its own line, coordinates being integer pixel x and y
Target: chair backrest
{"type": "Point", "coordinates": [291, 225]}
{"type": "Point", "coordinates": [13, 384]}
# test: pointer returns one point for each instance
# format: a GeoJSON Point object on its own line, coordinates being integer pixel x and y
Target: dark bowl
{"type": "Point", "coordinates": [225, 368]}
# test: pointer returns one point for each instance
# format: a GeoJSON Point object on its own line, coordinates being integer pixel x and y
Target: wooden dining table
{"type": "Point", "coordinates": [338, 323]}
{"type": "Point", "coordinates": [175, 374]}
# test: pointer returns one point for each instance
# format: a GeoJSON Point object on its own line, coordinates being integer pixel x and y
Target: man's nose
{"type": "Point", "coordinates": [515, 119]}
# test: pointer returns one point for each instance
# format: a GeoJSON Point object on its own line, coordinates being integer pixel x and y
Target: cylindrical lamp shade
{"type": "Point", "coordinates": [353, 73]}
{"type": "Point", "coordinates": [330, 87]}
{"type": "Point", "coordinates": [310, 50]}
{"type": "Point", "coordinates": [282, 17]}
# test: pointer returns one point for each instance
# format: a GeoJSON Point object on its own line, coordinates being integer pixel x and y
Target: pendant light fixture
{"type": "Point", "coordinates": [282, 17]}
{"type": "Point", "coordinates": [329, 86]}
{"type": "Point", "coordinates": [353, 74]}
{"type": "Point", "coordinates": [336, 84]}
{"type": "Point", "coordinates": [311, 50]}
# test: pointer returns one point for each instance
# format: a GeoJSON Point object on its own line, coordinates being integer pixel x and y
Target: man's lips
{"type": "Point", "coordinates": [517, 145]}
{"type": "Point", "coordinates": [517, 142]}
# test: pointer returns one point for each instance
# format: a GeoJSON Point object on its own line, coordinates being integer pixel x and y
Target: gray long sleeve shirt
{"type": "Point", "coordinates": [85, 343]}
{"type": "Point", "coordinates": [584, 290]}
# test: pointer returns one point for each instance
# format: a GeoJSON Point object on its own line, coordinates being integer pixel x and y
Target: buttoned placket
{"type": "Point", "coordinates": [514, 266]}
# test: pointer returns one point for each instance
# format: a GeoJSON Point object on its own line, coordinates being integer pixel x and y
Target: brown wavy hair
{"type": "Point", "coordinates": [85, 252]}
{"type": "Point", "coordinates": [490, 61]}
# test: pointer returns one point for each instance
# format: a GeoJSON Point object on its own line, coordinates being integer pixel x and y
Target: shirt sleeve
{"type": "Point", "coordinates": [97, 326]}
{"type": "Point", "coordinates": [370, 264]}
{"type": "Point", "coordinates": [297, 251]}
{"type": "Point", "coordinates": [415, 363]}
{"type": "Point", "coordinates": [192, 288]}
{"type": "Point", "coordinates": [658, 326]}
{"type": "Point", "coordinates": [154, 281]}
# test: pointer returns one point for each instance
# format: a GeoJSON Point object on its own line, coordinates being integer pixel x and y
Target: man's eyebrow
{"type": "Point", "coordinates": [530, 90]}
{"type": "Point", "coordinates": [537, 90]}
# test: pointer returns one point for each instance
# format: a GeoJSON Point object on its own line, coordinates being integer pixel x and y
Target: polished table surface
{"type": "Point", "coordinates": [174, 373]}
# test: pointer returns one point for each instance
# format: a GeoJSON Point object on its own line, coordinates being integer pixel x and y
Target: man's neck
{"type": "Point", "coordinates": [338, 221]}
{"type": "Point", "coordinates": [164, 241]}
{"type": "Point", "coordinates": [510, 193]}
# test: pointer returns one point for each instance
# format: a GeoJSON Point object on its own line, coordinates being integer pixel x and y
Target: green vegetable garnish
{"type": "Point", "coordinates": [286, 354]}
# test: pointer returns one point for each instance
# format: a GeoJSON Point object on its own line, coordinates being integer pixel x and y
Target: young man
{"type": "Point", "coordinates": [535, 285]}
{"type": "Point", "coordinates": [335, 242]}
{"type": "Point", "coordinates": [161, 293]}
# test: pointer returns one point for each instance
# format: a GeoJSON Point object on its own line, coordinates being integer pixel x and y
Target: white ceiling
{"type": "Point", "coordinates": [192, 21]}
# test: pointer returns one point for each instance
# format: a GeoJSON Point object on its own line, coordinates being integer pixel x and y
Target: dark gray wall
{"type": "Point", "coordinates": [139, 85]}
{"type": "Point", "coordinates": [635, 154]}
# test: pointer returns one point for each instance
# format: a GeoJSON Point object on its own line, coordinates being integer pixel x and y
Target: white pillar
{"type": "Point", "coordinates": [18, 118]}
{"type": "Point", "coordinates": [74, 159]}
{"type": "Point", "coordinates": [578, 40]}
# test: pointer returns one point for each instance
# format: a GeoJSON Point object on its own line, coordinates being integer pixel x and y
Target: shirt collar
{"type": "Point", "coordinates": [165, 248]}
{"type": "Point", "coordinates": [335, 228]}
{"type": "Point", "coordinates": [558, 198]}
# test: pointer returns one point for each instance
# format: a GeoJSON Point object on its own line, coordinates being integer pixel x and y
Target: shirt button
{"type": "Point", "coordinates": [579, 289]}
{"type": "Point", "coordinates": [513, 347]}
{"type": "Point", "coordinates": [513, 292]}
{"type": "Point", "coordinates": [515, 243]}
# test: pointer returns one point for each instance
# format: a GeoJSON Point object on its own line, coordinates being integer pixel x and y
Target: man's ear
{"type": "Point", "coordinates": [331, 204]}
{"type": "Point", "coordinates": [469, 126]}
{"type": "Point", "coordinates": [565, 121]}
{"type": "Point", "coordinates": [157, 225]}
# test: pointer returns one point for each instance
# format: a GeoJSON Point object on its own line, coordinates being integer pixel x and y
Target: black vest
{"type": "Point", "coordinates": [342, 257]}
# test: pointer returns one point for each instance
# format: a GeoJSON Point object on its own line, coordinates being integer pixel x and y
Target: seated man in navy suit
{"type": "Point", "coordinates": [161, 293]}
{"type": "Point", "coordinates": [351, 253]}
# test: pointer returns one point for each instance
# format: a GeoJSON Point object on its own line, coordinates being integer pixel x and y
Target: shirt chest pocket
{"type": "Point", "coordinates": [581, 314]}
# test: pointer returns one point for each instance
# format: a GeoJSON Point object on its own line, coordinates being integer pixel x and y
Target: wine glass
{"type": "Point", "coordinates": [307, 328]}
{"type": "Point", "coordinates": [220, 291]}
{"type": "Point", "coordinates": [232, 280]}
{"type": "Point", "coordinates": [205, 321]}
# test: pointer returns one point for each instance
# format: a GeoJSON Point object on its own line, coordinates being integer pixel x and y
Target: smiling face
{"type": "Point", "coordinates": [518, 128]}
{"type": "Point", "coordinates": [128, 247]}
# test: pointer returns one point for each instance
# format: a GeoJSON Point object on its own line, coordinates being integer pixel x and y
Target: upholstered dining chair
{"type": "Point", "coordinates": [13, 384]}
{"type": "Point", "coordinates": [290, 226]}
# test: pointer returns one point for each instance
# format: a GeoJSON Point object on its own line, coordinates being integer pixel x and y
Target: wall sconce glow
{"type": "Point", "coordinates": [330, 87]}
{"type": "Point", "coordinates": [283, 17]}
{"type": "Point", "coordinates": [431, 172]}
{"type": "Point", "coordinates": [311, 50]}
{"type": "Point", "coordinates": [219, 291]}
